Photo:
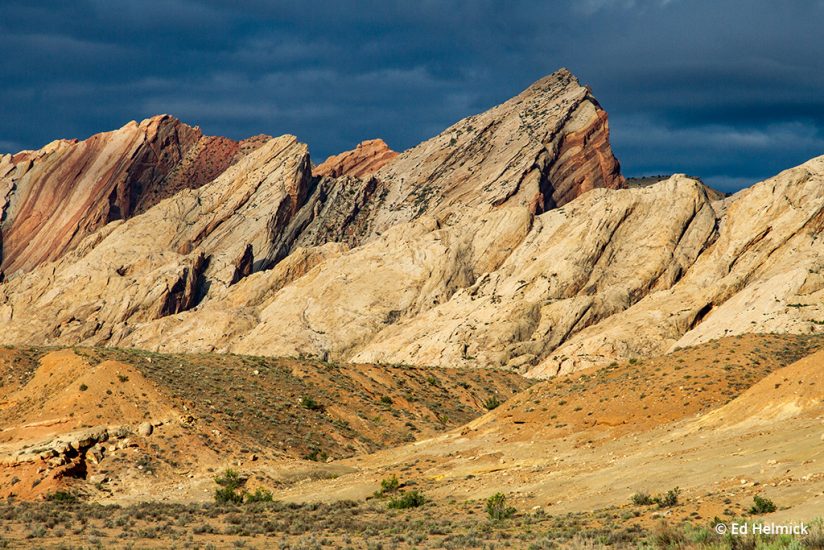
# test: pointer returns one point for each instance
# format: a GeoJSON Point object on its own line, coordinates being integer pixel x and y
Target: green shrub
{"type": "Point", "coordinates": [230, 488]}
{"type": "Point", "coordinates": [260, 495]}
{"type": "Point", "coordinates": [815, 539]}
{"type": "Point", "coordinates": [668, 500]}
{"type": "Point", "coordinates": [412, 499]}
{"type": "Point", "coordinates": [316, 455]}
{"type": "Point", "coordinates": [668, 536]}
{"type": "Point", "coordinates": [61, 496]}
{"type": "Point", "coordinates": [389, 485]}
{"type": "Point", "coordinates": [83, 387]}
{"type": "Point", "coordinates": [642, 499]}
{"type": "Point", "coordinates": [386, 400]}
{"type": "Point", "coordinates": [492, 403]}
{"type": "Point", "coordinates": [762, 505]}
{"type": "Point", "coordinates": [698, 535]}
{"type": "Point", "coordinates": [497, 509]}
{"type": "Point", "coordinates": [309, 403]}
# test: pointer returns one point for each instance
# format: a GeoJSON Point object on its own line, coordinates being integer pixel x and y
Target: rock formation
{"type": "Point", "coordinates": [163, 261]}
{"type": "Point", "coordinates": [613, 274]}
{"type": "Point", "coordinates": [505, 241]}
{"type": "Point", "coordinates": [361, 162]}
{"type": "Point", "coordinates": [50, 199]}
{"type": "Point", "coordinates": [538, 150]}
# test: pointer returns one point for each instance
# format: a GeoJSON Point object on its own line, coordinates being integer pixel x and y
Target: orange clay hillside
{"type": "Point", "coordinates": [639, 395]}
{"type": "Point", "coordinates": [67, 394]}
{"type": "Point", "coordinates": [71, 420]}
{"type": "Point", "coordinates": [114, 423]}
{"type": "Point", "coordinates": [793, 391]}
{"type": "Point", "coordinates": [592, 439]}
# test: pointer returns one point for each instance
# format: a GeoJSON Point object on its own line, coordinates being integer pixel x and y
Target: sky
{"type": "Point", "coordinates": [730, 91]}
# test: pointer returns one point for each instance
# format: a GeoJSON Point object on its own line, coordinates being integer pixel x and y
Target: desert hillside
{"type": "Point", "coordinates": [490, 339]}
{"type": "Point", "coordinates": [723, 421]}
{"type": "Point", "coordinates": [130, 420]}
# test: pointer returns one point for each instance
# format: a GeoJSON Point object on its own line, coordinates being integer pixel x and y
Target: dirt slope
{"type": "Point", "coordinates": [790, 392]}
{"type": "Point", "coordinates": [588, 440]}
{"type": "Point", "coordinates": [135, 425]}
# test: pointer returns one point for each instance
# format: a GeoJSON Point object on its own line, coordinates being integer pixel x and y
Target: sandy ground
{"type": "Point", "coordinates": [768, 441]}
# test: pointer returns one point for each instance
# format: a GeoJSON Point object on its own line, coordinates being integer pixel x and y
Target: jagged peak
{"type": "Point", "coordinates": [561, 79]}
{"type": "Point", "coordinates": [562, 75]}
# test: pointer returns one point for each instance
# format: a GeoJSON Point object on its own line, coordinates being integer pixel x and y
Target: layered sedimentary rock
{"type": "Point", "coordinates": [164, 261]}
{"type": "Point", "coordinates": [362, 161]}
{"type": "Point", "coordinates": [50, 199]}
{"type": "Point", "coordinates": [762, 273]}
{"type": "Point", "coordinates": [505, 241]}
{"type": "Point", "coordinates": [538, 150]}
{"type": "Point", "coordinates": [611, 275]}
{"type": "Point", "coordinates": [190, 248]}
{"type": "Point", "coordinates": [581, 264]}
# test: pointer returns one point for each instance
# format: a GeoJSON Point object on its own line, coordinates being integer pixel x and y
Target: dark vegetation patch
{"type": "Point", "coordinates": [350, 524]}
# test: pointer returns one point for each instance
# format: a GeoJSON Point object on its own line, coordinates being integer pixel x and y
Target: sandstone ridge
{"type": "Point", "coordinates": [50, 199]}
{"type": "Point", "coordinates": [505, 241]}
{"type": "Point", "coordinates": [364, 160]}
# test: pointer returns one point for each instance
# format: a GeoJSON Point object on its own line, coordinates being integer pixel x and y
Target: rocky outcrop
{"type": "Point", "coordinates": [52, 198]}
{"type": "Point", "coordinates": [762, 273]}
{"type": "Point", "coordinates": [345, 302]}
{"type": "Point", "coordinates": [164, 261]}
{"type": "Point", "coordinates": [611, 275]}
{"type": "Point", "coordinates": [503, 242]}
{"type": "Point", "coordinates": [584, 159]}
{"type": "Point", "coordinates": [338, 211]}
{"type": "Point", "coordinates": [361, 162]}
{"type": "Point", "coordinates": [227, 316]}
{"type": "Point", "coordinates": [244, 265]}
{"type": "Point", "coordinates": [538, 150]}
{"type": "Point", "coordinates": [579, 265]}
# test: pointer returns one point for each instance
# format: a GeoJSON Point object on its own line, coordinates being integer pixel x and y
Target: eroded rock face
{"type": "Point", "coordinates": [505, 241]}
{"type": "Point", "coordinates": [164, 261]}
{"type": "Point", "coordinates": [52, 198]}
{"type": "Point", "coordinates": [612, 275]}
{"type": "Point", "coordinates": [540, 149]}
{"type": "Point", "coordinates": [761, 273]}
{"type": "Point", "coordinates": [361, 162]}
{"type": "Point", "coordinates": [579, 265]}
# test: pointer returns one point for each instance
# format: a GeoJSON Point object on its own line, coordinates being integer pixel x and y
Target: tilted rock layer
{"type": "Point", "coordinates": [505, 241]}
{"type": "Point", "coordinates": [52, 198]}
{"type": "Point", "coordinates": [364, 160]}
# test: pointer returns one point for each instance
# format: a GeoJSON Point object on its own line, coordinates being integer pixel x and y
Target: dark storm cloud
{"type": "Point", "coordinates": [727, 90]}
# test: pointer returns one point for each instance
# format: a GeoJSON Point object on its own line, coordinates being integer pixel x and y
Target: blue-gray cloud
{"type": "Point", "coordinates": [719, 89]}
